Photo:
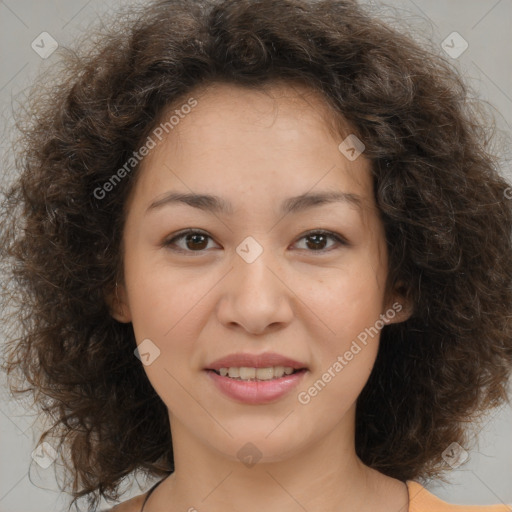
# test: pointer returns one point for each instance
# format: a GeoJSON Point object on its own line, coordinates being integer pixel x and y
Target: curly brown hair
{"type": "Point", "coordinates": [444, 205]}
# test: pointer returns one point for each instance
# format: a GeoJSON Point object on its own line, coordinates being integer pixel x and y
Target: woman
{"type": "Point", "coordinates": [274, 231]}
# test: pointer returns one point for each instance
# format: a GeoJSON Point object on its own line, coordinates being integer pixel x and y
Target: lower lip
{"type": "Point", "coordinates": [256, 392]}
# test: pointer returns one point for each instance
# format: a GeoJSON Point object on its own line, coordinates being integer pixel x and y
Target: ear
{"type": "Point", "coordinates": [399, 307]}
{"type": "Point", "coordinates": [117, 303]}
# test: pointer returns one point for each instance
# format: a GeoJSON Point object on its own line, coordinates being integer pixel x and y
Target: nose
{"type": "Point", "coordinates": [255, 295]}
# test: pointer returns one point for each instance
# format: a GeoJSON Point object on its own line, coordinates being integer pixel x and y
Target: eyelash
{"type": "Point", "coordinates": [335, 236]}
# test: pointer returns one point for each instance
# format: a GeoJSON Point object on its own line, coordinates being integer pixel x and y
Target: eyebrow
{"type": "Point", "coordinates": [216, 204]}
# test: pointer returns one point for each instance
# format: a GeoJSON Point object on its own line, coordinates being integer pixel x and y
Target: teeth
{"type": "Point", "coordinates": [245, 373]}
{"type": "Point", "coordinates": [265, 373]}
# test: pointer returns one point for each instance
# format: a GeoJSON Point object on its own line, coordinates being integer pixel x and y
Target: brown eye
{"type": "Point", "coordinates": [193, 241]}
{"type": "Point", "coordinates": [317, 241]}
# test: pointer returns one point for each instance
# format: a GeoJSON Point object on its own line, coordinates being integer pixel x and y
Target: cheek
{"type": "Point", "coordinates": [166, 307]}
{"type": "Point", "coordinates": [347, 301]}
{"type": "Point", "coordinates": [350, 307]}
{"type": "Point", "coordinates": [163, 299]}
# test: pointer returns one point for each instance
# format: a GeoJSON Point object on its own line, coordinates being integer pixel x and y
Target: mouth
{"type": "Point", "coordinates": [264, 366]}
{"type": "Point", "coordinates": [256, 386]}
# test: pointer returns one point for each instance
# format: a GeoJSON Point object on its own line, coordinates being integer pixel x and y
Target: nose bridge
{"type": "Point", "coordinates": [254, 264]}
{"type": "Point", "coordinates": [256, 295]}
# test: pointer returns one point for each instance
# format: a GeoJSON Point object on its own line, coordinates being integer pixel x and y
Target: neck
{"type": "Point", "coordinates": [207, 480]}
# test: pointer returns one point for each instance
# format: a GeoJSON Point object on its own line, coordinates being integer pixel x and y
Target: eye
{"type": "Point", "coordinates": [194, 240]}
{"type": "Point", "coordinates": [197, 241]}
{"type": "Point", "coordinates": [318, 239]}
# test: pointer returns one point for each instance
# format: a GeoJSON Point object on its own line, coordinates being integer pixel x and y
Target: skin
{"type": "Point", "coordinates": [256, 148]}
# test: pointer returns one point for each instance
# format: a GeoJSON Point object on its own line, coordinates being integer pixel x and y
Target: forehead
{"type": "Point", "coordinates": [262, 106]}
{"type": "Point", "coordinates": [277, 140]}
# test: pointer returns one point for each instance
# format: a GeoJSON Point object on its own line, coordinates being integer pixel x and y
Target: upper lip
{"type": "Point", "coordinates": [265, 360]}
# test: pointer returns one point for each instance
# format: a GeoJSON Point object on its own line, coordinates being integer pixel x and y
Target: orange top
{"type": "Point", "coordinates": [421, 500]}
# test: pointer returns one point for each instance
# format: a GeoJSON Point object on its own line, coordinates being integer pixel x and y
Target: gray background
{"type": "Point", "coordinates": [487, 64]}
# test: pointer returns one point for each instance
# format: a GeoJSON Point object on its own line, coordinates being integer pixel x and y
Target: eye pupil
{"type": "Point", "coordinates": [316, 244]}
{"type": "Point", "coordinates": [195, 237]}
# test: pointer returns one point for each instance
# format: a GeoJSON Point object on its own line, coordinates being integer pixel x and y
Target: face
{"type": "Point", "coordinates": [255, 277]}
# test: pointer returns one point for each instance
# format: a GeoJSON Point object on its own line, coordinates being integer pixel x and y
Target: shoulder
{"type": "Point", "coordinates": [421, 500]}
{"type": "Point", "coordinates": [131, 505]}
